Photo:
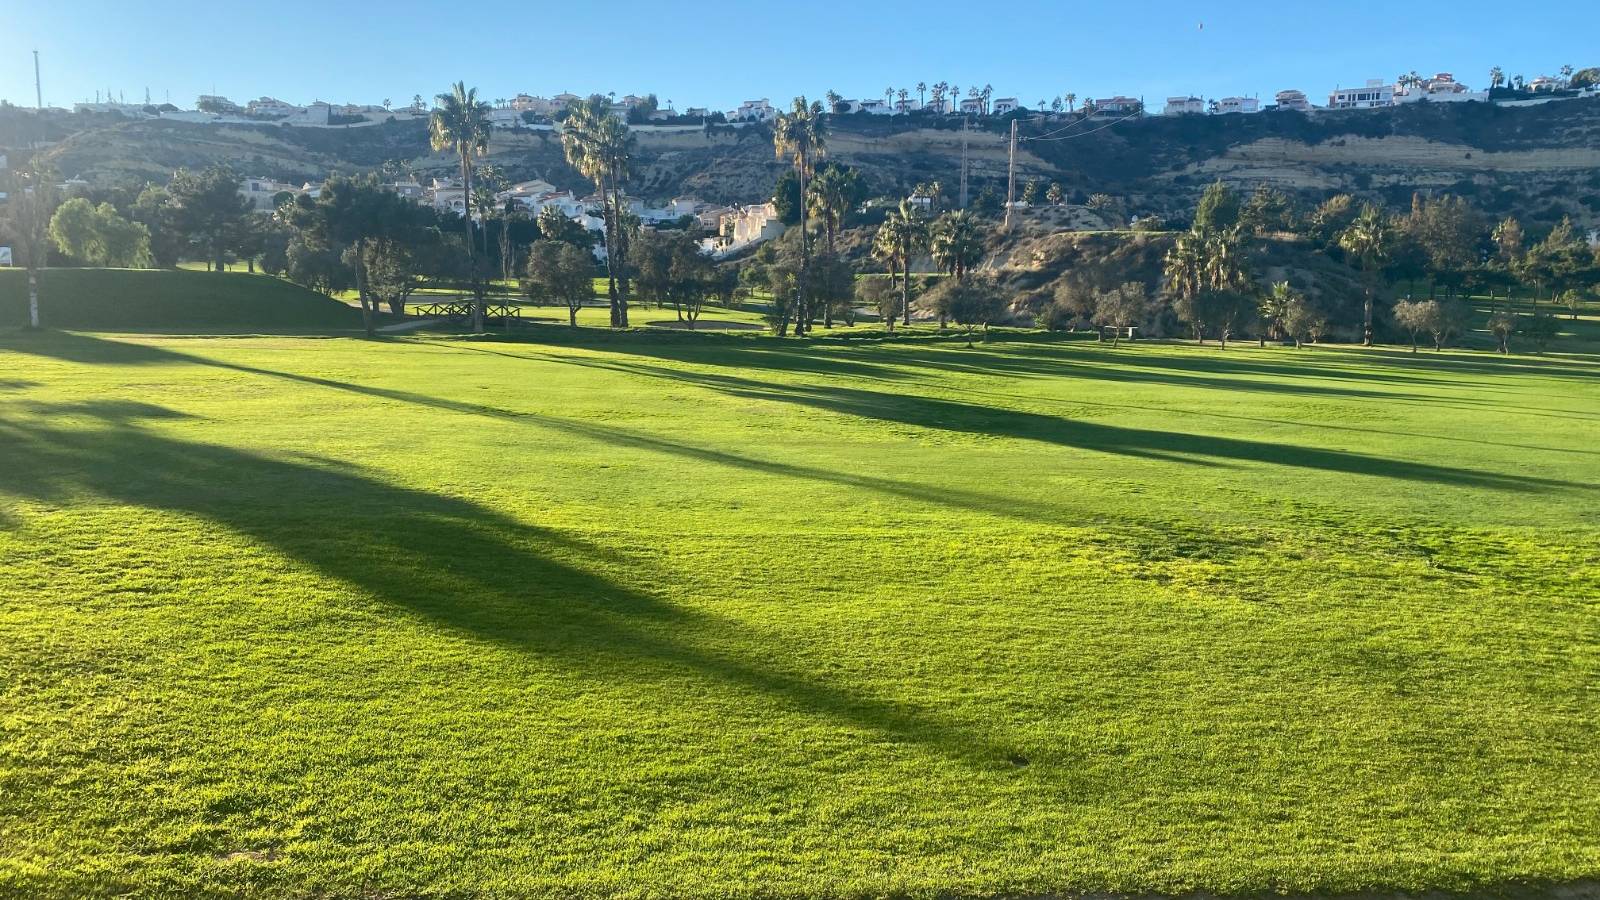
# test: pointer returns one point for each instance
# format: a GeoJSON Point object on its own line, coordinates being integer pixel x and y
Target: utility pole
{"type": "Point", "coordinates": [38, 87]}
{"type": "Point", "coordinates": [965, 122]}
{"type": "Point", "coordinates": [1011, 175]}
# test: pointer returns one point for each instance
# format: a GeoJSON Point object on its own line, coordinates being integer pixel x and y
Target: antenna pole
{"type": "Point", "coordinates": [1011, 174]}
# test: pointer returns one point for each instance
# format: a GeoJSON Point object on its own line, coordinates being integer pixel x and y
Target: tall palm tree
{"type": "Point", "coordinates": [957, 243]}
{"type": "Point", "coordinates": [1497, 77]}
{"type": "Point", "coordinates": [1072, 101]}
{"type": "Point", "coordinates": [460, 123]}
{"type": "Point", "coordinates": [833, 192]}
{"type": "Point", "coordinates": [902, 235]}
{"type": "Point", "coordinates": [1184, 271]}
{"type": "Point", "coordinates": [1275, 308]}
{"type": "Point", "coordinates": [800, 136]}
{"type": "Point", "coordinates": [598, 145]}
{"type": "Point", "coordinates": [1369, 239]}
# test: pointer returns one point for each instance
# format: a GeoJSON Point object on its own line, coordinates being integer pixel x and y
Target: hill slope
{"type": "Point", "coordinates": [110, 299]}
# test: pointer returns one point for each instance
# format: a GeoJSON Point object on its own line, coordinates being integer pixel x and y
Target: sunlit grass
{"type": "Point", "coordinates": [662, 615]}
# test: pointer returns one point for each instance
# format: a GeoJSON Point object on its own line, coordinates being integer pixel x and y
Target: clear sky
{"type": "Point", "coordinates": [716, 54]}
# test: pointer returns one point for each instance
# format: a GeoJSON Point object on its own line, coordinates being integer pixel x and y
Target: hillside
{"type": "Point", "coordinates": [112, 299]}
{"type": "Point", "coordinates": [1538, 163]}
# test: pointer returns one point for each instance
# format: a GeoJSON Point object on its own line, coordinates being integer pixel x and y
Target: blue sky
{"type": "Point", "coordinates": [699, 54]}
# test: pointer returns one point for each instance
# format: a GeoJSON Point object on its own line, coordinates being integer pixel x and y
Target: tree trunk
{"type": "Point", "coordinates": [1366, 321]}
{"type": "Point", "coordinates": [802, 314]}
{"type": "Point", "coordinates": [572, 316]}
{"type": "Point", "coordinates": [33, 294]}
{"type": "Point", "coordinates": [621, 264]}
{"type": "Point", "coordinates": [472, 254]}
{"type": "Point", "coordinates": [361, 290]}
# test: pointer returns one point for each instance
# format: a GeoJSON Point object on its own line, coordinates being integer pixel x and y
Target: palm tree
{"type": "Point", "coordinates": [957, 243]}
{"type": "Point", "coordinates": [461, 124]}
{"type": "Point", "coordinates": [832, 193]}
{"type": "Point", "coordinates": [903, 233]}
{"type": "Point", "coordinates": [1072, 101]}
{"type": "Point", "coordinates": [1368, 239]}
{"type": "Point", "coordinates": [922, 90]}
{"type": "Point", "coordinates": [986, 93]}
{"type": "Point", "coordinates": [1184, 271]}
{"type": "Point", "coordinates": [904, 96]}
{"type": "Point", "coordinates": [1275, 308]}
{"type": "Point", "coordinates": [598, 145]}
{"type": "Point", "coordinates": [800, 136]}
{"type": "Point", "coordinates": [1497, 77]}
{"type": "Point", "coordinates": [834, 99]}
{"type": "Point", "coordinates": [1566, 76]}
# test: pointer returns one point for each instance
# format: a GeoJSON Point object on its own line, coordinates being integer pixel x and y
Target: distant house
{"type": "Point", "coordinates": [263, 192]}
{"type": "Point", "coordinates": [908, 105]}
{"type": "Point", "coordinates": [1237, 105]}
{"type": "Point", "coordinates": [1005, 106]}
{"type": "Point", "coordinates": [271, 107]}
{"type": "Point", "coordinates": [1118, 106]}
{"type": "Point", "coordinates": [1373, 95]}
{"type": "Point", "coordinates": [744, 226]}
{"type": "Point", "coordinates": [697, 112]}
{"type": "Point", "coordinates": [1545, 84]}
{"type": "Point", "coordinates": [1184, 106]}
{"type": "Point", "coordinates": [753, 111]}
{"type": "Point", "coordinates": [1293, 100]}
{"type": "Point", "coordinates": [972, 106]}
{"type": "Point", "coordinates": [1441, 88]}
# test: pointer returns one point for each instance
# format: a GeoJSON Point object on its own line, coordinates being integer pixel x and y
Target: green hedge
{"type": "Point", "coordinates": [134, 299]}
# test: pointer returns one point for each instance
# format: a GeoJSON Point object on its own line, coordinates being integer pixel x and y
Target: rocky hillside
{"type": "Point", "coordinates": [1536, 162]}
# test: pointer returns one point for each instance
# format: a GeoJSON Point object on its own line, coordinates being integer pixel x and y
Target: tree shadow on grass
{"type": "Point", "coordinates": [445, 560]}
{"type": "Point", "coordinates": [995, 421]}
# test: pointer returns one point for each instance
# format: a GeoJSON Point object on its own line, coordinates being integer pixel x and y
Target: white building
{"type": "Point", "coordinates": [1237, 105]}
{"type": "Point", "coordinates": [753, 111]}
{"type": "Point", "coordinates": [1373, 95]}
{"type": "Point", "coordinates": [972, 106]}
{"type": "Point", "coordinates": [744, 226]}
{"type": "Point", "coordinates": [1293, 100]}
{"type": "Point", "coordinates": [1184, 106]}
{"type": "Point", "coordinates": [1441, 88]}
{"type": "Point", "coordinates": [1005, 106]}
{"type": "Point", "coordinates": [263, 192]}
{"type": "Point", "coordinates": [272, 107]}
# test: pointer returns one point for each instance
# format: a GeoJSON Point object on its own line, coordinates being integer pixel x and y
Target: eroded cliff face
{"type": "Point", "coordinates": [1538, 163]}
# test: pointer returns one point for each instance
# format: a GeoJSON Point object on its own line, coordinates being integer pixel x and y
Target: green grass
{"type": "Point", "coordinates": [157, 299]}
{"type": "Point", "coordinates": [669, 615]}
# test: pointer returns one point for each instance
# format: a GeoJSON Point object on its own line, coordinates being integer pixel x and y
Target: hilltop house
{"type": "Point", "coordinates": [753, 111]}
{"type": "Point", "coordinates": [1292, 100]}
{"type": "Point", "coordinates": [263, 192]}
{"type": "Point", "coordinates": [1237, 105]}
{"type": "Point", "coordinates": [1118, 106]}
{"type": "Point", "coordinates": [1441, 88]}
{"type": "Point", "coordinates": [744, 226]}
{"type": "Point", "coordinates": [1184, 106]}
{"type": "Point", "coordinates": [1005, 106]}
{"type": "Point", "coordinates": [1373, 95]}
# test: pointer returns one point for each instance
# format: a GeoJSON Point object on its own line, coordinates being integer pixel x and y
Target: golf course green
{"type": "Point", "coordinates": [673, 615]}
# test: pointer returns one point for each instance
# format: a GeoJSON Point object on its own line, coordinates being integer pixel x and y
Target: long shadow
{"type": "Point", "coordinates": [447, 560]}
{"type": "Point", "coordinates": [988, 420]}
{"type": "Point", "coordinates": [926, 412]}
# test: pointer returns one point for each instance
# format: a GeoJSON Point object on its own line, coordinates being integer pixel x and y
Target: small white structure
{"type": "Point", "coordinates": [753, 111]}
{"type": "Point", "coordinates": [1184, 106]}
{"type": "Point", "coordinates": [1375, 94]}
{"type": "Point", "coordinates": [1005, 106]}
{"type": "Point", "coordinates": [1293, 101]}
{"type": "Point", "coordinates": [1441, 88]}
{"type": "Point", "coordinates": [1229, 106]}
{"type": "Point", "coordinates": [263, 192]}
{"type": "Point", "coordinates": [972, 106]}
{"type": "Point", "coordinates": [272, 107]}
{"type": "Point", "coordinates": [744, 226]}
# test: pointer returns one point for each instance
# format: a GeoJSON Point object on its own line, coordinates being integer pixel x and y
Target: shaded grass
{"type": "Point", "coordinates": [666, 615]}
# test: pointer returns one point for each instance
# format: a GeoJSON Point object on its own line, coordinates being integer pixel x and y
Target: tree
{"type": "Point", "coordinates": [348, 216]}
{"type": "Point", "coordinates": [553, 225]}
{"type": "Point", "coordinates": [970, 302]}
{"type": "Point", "coordinates": [1415, 317]}
{"type": "Point", "coordinates": [1369, 239]}
{"type": "Point", "coordinates": [834, 193]}
{"type": "Point", "coordinates": [460, 124]}
{"type": "Point", "coordinates": [1304, 321]}
{"type": "Point", "coordinates": [1122, 308]}
{"type": "Point", "coordinates": [98, 236]}
{"type": "Point", "coordinates": [957, 243]}
{"type": "Point", "coordinates": [1267, 210]}
{"type": "Point", "coordinates": [902, 235]}
{"type": "Point", "coordinates": [1585, 78]}
{"type": "Point", "coordinates": [800, 136]}
{"type": "Point", "coordinates": [28, 212]}
{"type": "Point", "coordinates": [560, 273]}
{"type": "Point", "coordinates": [1503, 324]}
{"type": "Point", "coordinates": [882, 295]}
{"type": "Point", "coordinates": [1218, 210]}
{"type": "Point", "coordinates": [1539, 327]}
{"type": "Point", "coordinates": [207, 208]}
{"type": "Point", "coordinates": [1053, 195]}
{"type": "Point", "coordinates": [1275, 308]}
{"type": "Point", "coordinates": [1507, 238]}
{"type": "Point", "coordinates": [1450, 319]}
{"type": "Point", "coordinates": [1497, 78]}
{"type": "Point", "coordinates": [598, 144]}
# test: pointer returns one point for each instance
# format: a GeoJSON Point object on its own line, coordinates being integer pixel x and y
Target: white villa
{"type": "Point", "coordinates": [744, 226]}
{"type": "Point", "coordinates": [1005, 106]}
{"type": "Point", "coordinates": [1238, 105]}
{"type": "Point", "coordinates": [753, 111]}
{"type": "Point", "coordinates": [1293, 100]}
{"type": "Point", "coordinates": [1118, 106]}
{"type": "Point", "coordinates": [1441, 88]}
{"type": "Point", "coordinates": [1374, 94]}
{"type": "Point", "coordinates": [1184, 106]}
{"type": "Point", "coordinates": [262, 192]}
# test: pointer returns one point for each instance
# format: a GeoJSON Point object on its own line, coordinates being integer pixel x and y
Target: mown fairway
{"type": "Point", "coordinates": [673, 615]}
